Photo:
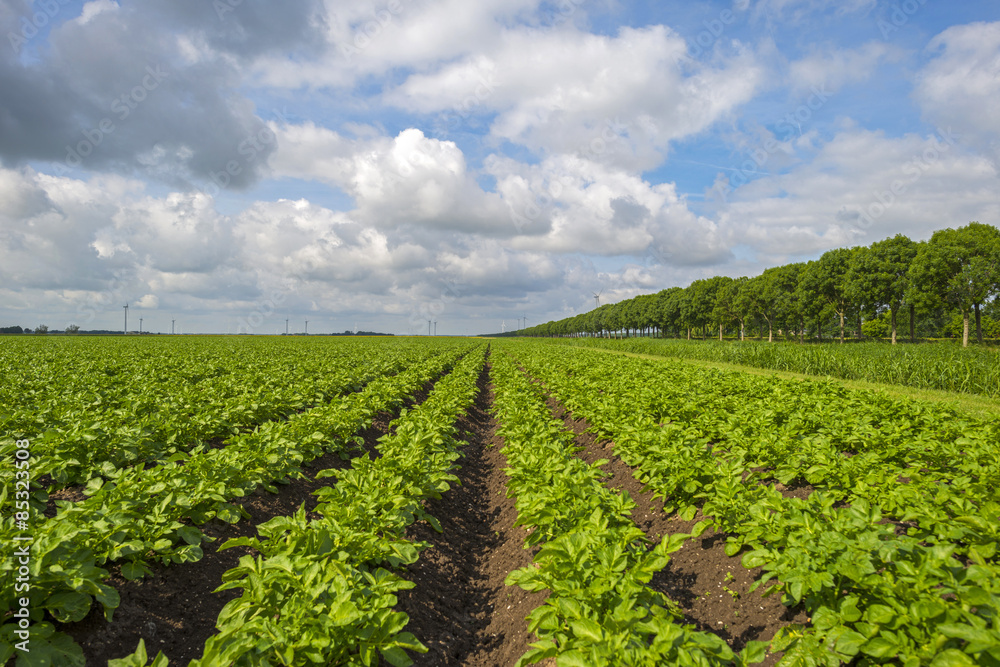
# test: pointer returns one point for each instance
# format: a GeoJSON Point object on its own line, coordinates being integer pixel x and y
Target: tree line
{"type": "Point", "coordinates": [893, 281]}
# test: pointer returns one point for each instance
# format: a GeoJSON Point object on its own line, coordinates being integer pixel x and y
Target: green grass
{"type": "Point", "coordinates": [968, 379]}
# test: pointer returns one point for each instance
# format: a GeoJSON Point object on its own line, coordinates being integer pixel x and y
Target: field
{"type": "Point", "coordinates": [942, 366]}
{"type": "Point", "coordinates": [307, 501]}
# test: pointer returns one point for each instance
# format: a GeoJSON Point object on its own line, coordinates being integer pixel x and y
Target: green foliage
{"type": "Point", "coordinates": [893, 557]}
{"type": "Point", "coordinates": [137, 515]}
{"type": "Point", "coordinates": [932, 366]}
{"type": "Point", "coordinates": [592, 560]}
{"type": "Point", "coordinates": [319, 592]}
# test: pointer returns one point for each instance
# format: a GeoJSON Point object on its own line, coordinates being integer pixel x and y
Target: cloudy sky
{"type": "Point", "coordinates": [231, 164]}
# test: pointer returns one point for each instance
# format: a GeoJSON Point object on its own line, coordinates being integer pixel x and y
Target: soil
{"type": "Point", "coordinates": [461, 607]}
{"type": "Point", "coordinates": [175, 608]}
{"type": "Point", "coordinates": [711, 588]}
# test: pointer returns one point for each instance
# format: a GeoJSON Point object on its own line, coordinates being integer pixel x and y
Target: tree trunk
{"type": "Point", "coordinates": [689, 333]}
{"type": "Point", "coordinates": [979, 325]}
{"type": "Point", "coordinates": [841, 327]}
{"type": "Point", "coordinates": [965, 327]}
{"type": "Point", "coordinates": [892, 319]}
{"type": "Point", "coordinates": [819, 328]}
{"type": "Point", "coordinates": [720, 332]}
{"type": "Point", "coordinates": [860, 335]}
{"type": "Point", "coordinates": [770, 332]}
{"type": "Point", "coordinates": [913, 328]}
{"type": "Point", "coordinates": [742, 330]}
{"type": "Point", "coordinates": [802, 329]}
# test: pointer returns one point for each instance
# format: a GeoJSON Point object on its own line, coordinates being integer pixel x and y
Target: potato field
{"type": "Point", "coordinates": [455, 501]}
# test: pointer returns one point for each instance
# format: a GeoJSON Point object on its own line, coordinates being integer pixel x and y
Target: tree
{"type": "Point", "coordinates": [41, 329]}
{"type": "Point", "coordinates": [669, 303]}
{"type": "Point", "coordinates": [750, 300]}
{"type": "Point", "coordinates": [698, 308]}
{"type": "Point", "coordinates": [73, 328]}
{"type": "Point", "coordinates": [725, 310]}
{"type": "Point", "coordinates": [959, 267]}
{"type": "Point", "coordinates": [790, 309]}
{"type": "Point", "coordinates": [826, 280]}
{"type": "Point", "coordinates": [879, 276]}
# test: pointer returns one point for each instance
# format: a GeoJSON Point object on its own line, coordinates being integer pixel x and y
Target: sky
{"type": "Point", "coordinates": [242, 166]}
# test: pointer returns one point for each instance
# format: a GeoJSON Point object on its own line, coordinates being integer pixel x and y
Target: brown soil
{"type": "Point", "coordinates": [461, 609]}
{"type": "Point", "coordinates": [175, 609]}
{"type": "Point", "coordinates": [711, 588]}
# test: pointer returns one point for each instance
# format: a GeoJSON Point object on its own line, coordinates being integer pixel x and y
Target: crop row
{"type": "Point", "coordinates": [139, 414]}
{"type": "Point", "coordinates": [941, 366]}
{"type": "Point", "coordinates": [145, 514]}
{"type": "Point", "coordinates": [593, 560]}
{"type": "Point", "coordinates": [319, 591]}
{"type": "Point", "coordinates": [923, 592]}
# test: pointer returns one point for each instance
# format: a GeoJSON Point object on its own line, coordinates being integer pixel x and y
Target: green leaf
{"type": "Point", "coordinates": [68, 607]}
{"type": "Point", "coordinates": [139, 658]}
{"type": "Point", "coordinates": [880, 647]}
{"type": "Point", "coordinates": [396, 656]}
{"type": "Point", "coordinates": [753, 652]}
{"type": "Point", "coordinates": [586, 628]}
{"type": "Point", "coordinates": [189, 534]}
{"type": "Point", "coordinates": [757, 558]}
{"type": "Point", "coordinates": [93, 486]}
{"type": "Point", "coordinates": [968, 633]}
{"type": "Point", "coordinates": [850, 642]}
{"type": "Point", "coordinates": [952, 658]}
{"type": "Point", "coordinates": [134, 570]}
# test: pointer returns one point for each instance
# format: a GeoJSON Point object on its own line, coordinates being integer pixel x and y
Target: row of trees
{"type": "Point", "coordinates": [40, 329]}
{"type": "Point", "coordinates": [957, 270]}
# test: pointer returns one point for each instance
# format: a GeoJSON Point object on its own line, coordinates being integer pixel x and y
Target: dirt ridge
{"type": "Point", "coordinates": [175, 609]}
{"type": "Point", "coordinates": [461, 609]}
{"type": "Point", "coordinates": [711, 588]}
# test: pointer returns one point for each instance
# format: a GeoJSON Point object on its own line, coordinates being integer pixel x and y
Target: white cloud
{"type": "Point", "coordinates": [960, 86]}
{"type": "Point", "coordinates": [833, 68]}
{"type": "Point", "coordinates": [562, 91]}
{"type": "Point", "coordinates": [861, 187]}
{"type": "Point", "coordinates": [408, 179]}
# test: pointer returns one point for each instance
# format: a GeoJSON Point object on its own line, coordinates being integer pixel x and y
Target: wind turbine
{"type": "Point", "coordinates": [126, 319]}
{"type": "Point", "coordinates": [597, 298]}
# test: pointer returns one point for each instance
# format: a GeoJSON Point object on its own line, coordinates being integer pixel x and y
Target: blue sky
{"type": "Point", "coordinates": [377, 164]}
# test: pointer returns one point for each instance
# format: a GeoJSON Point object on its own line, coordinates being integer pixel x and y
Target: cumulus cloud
{"type": "Point", "coordinates": [114, 91]}
{"type": "Point", "coordinates": [620, 99]}
{"type": "Point", "coordinates": [834, 68]}
{"type": "Point", "coordinates": [962, 82]}
{"type": "Point", "coordinates": [861, 187]}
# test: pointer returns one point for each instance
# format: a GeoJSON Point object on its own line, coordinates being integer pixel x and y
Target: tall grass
{"type": "Point", "coordinates": [930, 366]}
